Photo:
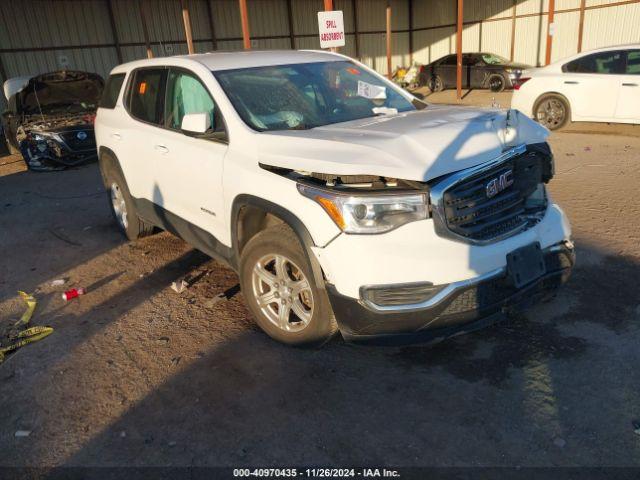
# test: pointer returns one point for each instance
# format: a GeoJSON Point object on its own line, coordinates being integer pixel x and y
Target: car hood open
{"type": "Point", "coordinates": [418, 145]}
{"type": "Point", "coordinates": [56, 91]}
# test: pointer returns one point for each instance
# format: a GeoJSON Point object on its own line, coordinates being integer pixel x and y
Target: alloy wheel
{"type": "Point", "coordinates": [283, 292]}
{"type": "Point", "coordinates": [551, 113]}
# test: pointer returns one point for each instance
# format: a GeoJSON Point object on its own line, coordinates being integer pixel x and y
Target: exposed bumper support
{"type": "Point", "coordinates": [458, 308]}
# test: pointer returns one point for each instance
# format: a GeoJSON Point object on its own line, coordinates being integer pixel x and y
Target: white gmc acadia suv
{"type": "Point", "coordinates": [342, 201]}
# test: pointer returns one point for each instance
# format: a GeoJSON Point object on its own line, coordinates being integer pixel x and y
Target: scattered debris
{"type": "Point", "coordinates": [22, 433]}
{"type": "Point", "coordinates": [163, 339]}
{"type": "Point", "coordinates": [28, 335]}
{"type": "Point", "coordinates": [123, 434]}
{"type": "Point", "coordinates": [187, 281]}
{"type": "Point", "coordinates": [58, 282]}
{"type": "Point", "coordinates": [636, 427]}
{"type": "Point", "coordinates": [172, 444]}
{"type": "Point", "coordinates": [64, 238]}
{"type": "Point", "coordinates": [228, 294]}
{"type": "Point", "coordinates": [73, 293]}
{"type": "Point", "coordinates": [559, 442]}
{"type": "Point", "coordinates": [179, 286]}
{"type": "Point", "coordinates": [587, 149]}
{"type": "Point", "coordinates": [570, 154]}
{"type": "Point", "coordinates": [176, 361]}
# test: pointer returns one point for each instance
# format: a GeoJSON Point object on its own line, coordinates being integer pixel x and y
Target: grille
{"type": "Point", "coordinates": [72, 141]}
{"type": "Point", "coordinates": [494, 203]}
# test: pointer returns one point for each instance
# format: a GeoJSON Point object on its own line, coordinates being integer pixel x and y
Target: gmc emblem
{"type": "Point", "coordinates": [498, 184]}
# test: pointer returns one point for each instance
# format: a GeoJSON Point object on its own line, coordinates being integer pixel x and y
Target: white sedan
{"type": "Point", "coordinates": [598, 86]}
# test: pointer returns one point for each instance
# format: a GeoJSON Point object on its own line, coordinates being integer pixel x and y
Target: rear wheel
{"type": "Point", "coordinates": [278, 286]}
{"type": "Point", "coordinates": [552, 111]}
{"type": "Point", "coordinates": [122, 207]}
{"type": "Point", "coordinates": [496, 83]}
{"type": "Point", "coordinates": [436, 84]}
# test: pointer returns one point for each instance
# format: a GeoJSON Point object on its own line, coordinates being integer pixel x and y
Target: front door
{"type": "Point", "coordinates": [591, 84]}
{"type": "Point", "coordinates": [189, 168]}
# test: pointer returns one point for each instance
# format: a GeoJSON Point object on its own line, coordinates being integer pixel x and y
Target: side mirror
{"type": "Point", "coordinates": [195, 123]}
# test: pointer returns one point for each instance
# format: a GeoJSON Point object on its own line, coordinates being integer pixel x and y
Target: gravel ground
{"type": "Point", "coordinates": [136, 374]}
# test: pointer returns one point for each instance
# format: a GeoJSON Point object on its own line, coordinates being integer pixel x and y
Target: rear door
{"type": "Point", "coordinates": [140, 135]}
{"type": "Point", "coordinates": [591, 84]}
{"type": "Point", "coordinates": [628, 108]}
{"type": "Point", "coordinates": [447, 70]}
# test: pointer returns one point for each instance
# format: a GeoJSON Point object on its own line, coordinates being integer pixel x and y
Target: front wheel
{"type": "Point", "coordinates": [552, 111]}
{"type": "Point", "coordinates": [279, 288]}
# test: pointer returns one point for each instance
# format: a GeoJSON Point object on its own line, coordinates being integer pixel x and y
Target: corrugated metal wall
{"type": "Point", "coordinates": [44, 35]}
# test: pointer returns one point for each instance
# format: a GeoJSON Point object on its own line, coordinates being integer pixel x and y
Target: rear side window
{"type": "Point", "coordinates": [111, 91]}
{"type": "Point", "coordinates": [450, 60]}
{"type": "Point", "coordinates": [633, 62]}
{"type": "Point", "coordinates": [603, 62]}
{"type": "Point", "coordinates": [147, 95]}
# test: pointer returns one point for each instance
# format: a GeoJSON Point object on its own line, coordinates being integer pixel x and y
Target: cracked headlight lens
{"type": "Point", "coordinates": [369, 213]}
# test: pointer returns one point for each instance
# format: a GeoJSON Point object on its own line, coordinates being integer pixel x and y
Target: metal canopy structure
{"type": "Point", "coordinates": [37, 36]}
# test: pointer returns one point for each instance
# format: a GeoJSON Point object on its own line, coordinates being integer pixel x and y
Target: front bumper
{"type": "Point", "coordinates": [471, 306]}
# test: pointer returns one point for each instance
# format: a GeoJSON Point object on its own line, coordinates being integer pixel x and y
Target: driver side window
{"type": "Point", "coordinates": [186, 94]}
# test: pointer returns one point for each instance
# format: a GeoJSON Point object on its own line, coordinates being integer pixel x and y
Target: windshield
{"type": "Point", "coordinates": [493, 59]}
{"type": "Point", "coordinates": [308, 95]}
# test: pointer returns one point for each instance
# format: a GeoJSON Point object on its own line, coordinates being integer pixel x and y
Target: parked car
{"type": "Point", "coordinates": [50, 117]}
{"type": "Point", "coordinates": [479, 70]}
{"type": "Point", "coordinates": [342, 201]}
{"type": "Point", "coordinates": [601, 85]}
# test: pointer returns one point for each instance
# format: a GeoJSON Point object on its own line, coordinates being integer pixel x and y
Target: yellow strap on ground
{"type": "Point", "coordinates": [28, 335]}
{"type": "Point", "coordinates": [31, 306]}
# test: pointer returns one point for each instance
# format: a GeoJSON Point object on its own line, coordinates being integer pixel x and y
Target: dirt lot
{"type": "Point", "coordinates": [136, 374]}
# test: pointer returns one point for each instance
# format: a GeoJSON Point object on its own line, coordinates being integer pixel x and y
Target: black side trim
{"type": "Point", "coordinates": [190, 233]}
{"type": "Point", "coordinates": [245, 200]}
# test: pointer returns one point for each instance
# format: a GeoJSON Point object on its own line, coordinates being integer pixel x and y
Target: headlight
{"type": "Point", "coordinates": [367, 213]}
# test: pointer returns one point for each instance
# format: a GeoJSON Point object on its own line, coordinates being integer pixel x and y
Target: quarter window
{"type": "Point", "coordinates": [450, 60]}
{"type": "Point", "coordinates": [147, 95]}
{"type": "Point", "coordinates": [186, 94]}
{"type": "Point", "coordinates": [111, 91]}
{"type": "Point", "coordinates": [603, 62]}
{"type": "Point", "coordinates": [633, 62]}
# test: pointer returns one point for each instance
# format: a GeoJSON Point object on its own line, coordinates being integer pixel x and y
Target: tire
{"type": "Point", "coordinates": [121, 205]}
{"type": "Point", "coordinates": [552, 110]}
{"type": "Point", "coordinates": [10, 148]}
{"type": "Point", "coordinates": [496, 83]}
{"type": "Point", "coordinates": [272, 265]}
{"type": "Point", "coordinates": [436, 84]}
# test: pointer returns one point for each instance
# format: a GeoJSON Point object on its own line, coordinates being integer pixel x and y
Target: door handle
{"type": "Point", "coordinates": [629, 84]}
{"type": "Point", "coordinates": [116, 136]}
{"type": "Point", "coordinates": [571, 82]}
{"type": "Point", "coordinates": [162, 149]}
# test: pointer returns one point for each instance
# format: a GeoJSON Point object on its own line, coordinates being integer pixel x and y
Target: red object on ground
{"type": "Point", "coordinates": [73, 293]}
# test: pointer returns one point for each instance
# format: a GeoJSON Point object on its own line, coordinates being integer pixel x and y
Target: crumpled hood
{"type": "Point", "coordinates": [418, 145]}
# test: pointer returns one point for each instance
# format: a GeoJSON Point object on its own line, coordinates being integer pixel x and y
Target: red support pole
{"type": "Point", "coordinates": [244, 18]}
{"type": "Point", "coordinates": [187, 26]}
{"type": "Point", "coordinates": [328, 5]}
{"type": "Point", "coordinates": [547, 56]}
{"type": "Point", "coordinates": [459, 49]}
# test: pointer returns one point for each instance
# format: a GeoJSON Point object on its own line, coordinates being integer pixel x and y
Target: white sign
{"type": "Point", "coordinates": [374, 92]}
{"type": "Point", "coordinates": [331, 26]}
{"type": "Point", "coordinates": [552, 29]}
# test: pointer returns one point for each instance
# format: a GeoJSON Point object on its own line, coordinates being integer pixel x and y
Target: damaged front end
{"type": "Point", "coordinates": [57, 142]}
{"type": "Point", "coordinates": [50, 118]}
